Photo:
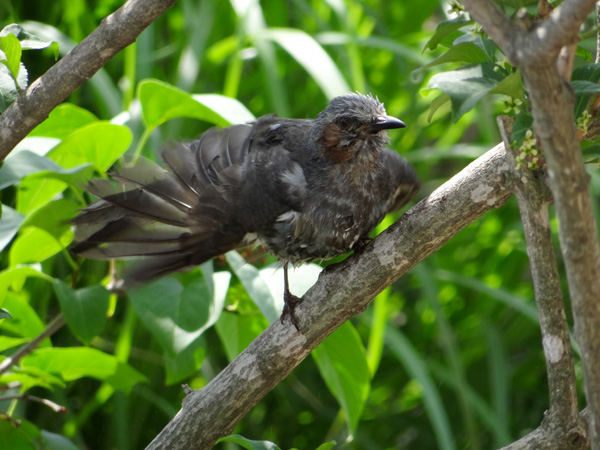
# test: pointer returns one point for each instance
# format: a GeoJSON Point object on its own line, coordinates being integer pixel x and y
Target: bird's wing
{"type": "Point", "coordinates": [179, 217]}
{"type": "Point", "coordinates": [403, 178]}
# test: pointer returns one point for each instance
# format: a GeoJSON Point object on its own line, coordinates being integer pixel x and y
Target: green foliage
{"type": "Point", "coordinates": [447, 357]}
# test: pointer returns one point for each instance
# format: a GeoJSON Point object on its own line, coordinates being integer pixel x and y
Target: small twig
{"type": "Point", "coordinates": [54, 325]}
{"type": "Point", "coordinates": [33, 398]}
{"type": "Point", "coordinates": [597, 33]}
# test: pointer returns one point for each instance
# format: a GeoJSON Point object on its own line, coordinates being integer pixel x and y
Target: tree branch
{"type": "Point", "coordinates": [562, 421]}
{"type": "Point", "coordinates": [113, 34]}
{"type": "Point", "coordinates": [342, 291]}
{"type": "Point", "coordinates": [553, 104]}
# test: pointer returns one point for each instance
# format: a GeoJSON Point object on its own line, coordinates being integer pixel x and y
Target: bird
{"type": "Point", "coordinates": [306, 189]}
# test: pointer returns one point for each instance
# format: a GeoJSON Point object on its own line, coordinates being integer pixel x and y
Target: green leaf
{"type": "Point", "coordinates": [444, 29]}
{"type": "Point", "coordinates": [54, 217]}
{"type": "Point", "coordinates": [178, 315]}
{"type": "Point", "coordinates": [73, 363]}
{"type": "Point", "coordinates": [584, 87]}
{"type": "Point", "coordinates": [523, 122]}
{"type": "Point", "coordinates": [416, 367]}
{"type": "Point", "coordinates": [36, 192]}
{"type": "Point", "coordinates": [53, 441]}
{"type": "Point", "coordinates": [255, 285]}
{"type": "Point", "coordinates": [19, 438]}
{"type": "Point", "coordinates": [64, 120]}
{"type": "Point", "coordinates": [10, 222]}
{"type": "Point", "coordinates": [436, 104]}
{"type": "Point", "coordinates": [162, 102]}
{"type": "Point", "coordinates": [84, 309]}
{"type": "Point", "coordinates": [237, 331]}
{"type": "Point", "coordinates": [10, 55]}
{"type": "Point", "coordinates": [34, 245]}
{"type": "Point", "coordinates": [98, 143]}
{"type": "Point", "coordinates": [589, 73]}
{"type": "Point", "coordinates": [8, 88]}
{"type": "Point", "coordinates": [512, 86]}
{"type": "Point", "coordinates": [311, 56]}
{"type": "Point", "coordinates": [342, 362]}
{"type": "Point", "coordinates": [184, 363]}
{"type": "Point", "coordinates": [327, 445]}
{"type": "Point", "coordinates": [466, 52]}
{"type": "Point", "coordinates": [468, 85]}
{"type": "Point", "coordinates": [25, 322]}
{"type": "Point", "coordinates": [249, 444]}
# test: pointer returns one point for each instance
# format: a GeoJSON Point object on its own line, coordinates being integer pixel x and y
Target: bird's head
{"type": "Point", "coordinates": [353, 126]}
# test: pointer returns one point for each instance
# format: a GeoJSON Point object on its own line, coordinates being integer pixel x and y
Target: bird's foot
{"type": "Point", "coordinates": [361, 244]}
{"type": "Point", "coordinates": [289, 308]}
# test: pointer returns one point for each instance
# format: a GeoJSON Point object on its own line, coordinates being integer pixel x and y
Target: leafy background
{"type": "Point", "coordinates": [448, 357]}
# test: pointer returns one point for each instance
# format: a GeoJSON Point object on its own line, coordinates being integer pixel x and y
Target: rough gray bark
{"type": "Point", "coordinates": [561, 428]}
{"type": "Point", "coordinates": [342, 291]}
{"type": "Point", "coordinates": [535, 52]}
{"type": "Point", "coordinates": [115, 33]}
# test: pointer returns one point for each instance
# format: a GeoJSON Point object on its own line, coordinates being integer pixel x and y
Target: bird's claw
{"type": "Point", "coordinates": [289, 308]}
{"type": "Point", "coordinates": [361, 244]}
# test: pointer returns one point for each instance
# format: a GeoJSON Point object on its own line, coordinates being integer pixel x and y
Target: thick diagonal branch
{"type": "Point", "coordinates": [343, 290]}
{"type": "Point", "coordinates": [115, 32]}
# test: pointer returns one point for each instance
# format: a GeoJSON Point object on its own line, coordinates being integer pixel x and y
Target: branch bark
{"type": "Point", "coordinates": [115, 32]}
{"type": "Point", "coordinates": [535, 52]}
{"type": "Point", "coordinates": [342, 291]}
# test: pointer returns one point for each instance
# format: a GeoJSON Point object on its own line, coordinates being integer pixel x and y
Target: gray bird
{"type": "Point", "coordinates": [305, 189]}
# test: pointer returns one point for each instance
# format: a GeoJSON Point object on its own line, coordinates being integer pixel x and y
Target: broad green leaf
{"type": "Point", "coordinates": [436, 104]}
{"type": "Point", "coordinates": [237, 331]}
{"type": "Point", "coordinates": [185, 363]}
{"type": "Point", "coordinates": [10, 222]}
{"type": "Point", "coordinates": [342, 362]}
{"type": "Point", "coordinates": [64, 120]}
{"type": "Point", "coordinates": [72, 363]}
{"type": "Point", "coordinates": [35, 245]}
{"type": "Point", "coordinates": [162, 102]}
{"type": "Point", "coordinates": [327, 445]}
{"type": "Point", "coordinates": [8, 89]}
{"type": "Point", "coordinates": [445, 29]}
{"type": "Point", "coordinates": [466, 52]}
{"type": "Point", "coordinates": [54, 217]}
{"type": "Point", "coordinates": [98, 143]}
{"type": "Point", "coordinates": [523, 122]}
{"type": "Point", "coordinates": [248, 443]}
{"type": "Point", "coordinates": [7, 342]}
{"type": "Point", "coordinates": [23, 437]}
{"type": "Point", "coordinates": [581, 87]}
{"type": "Point", "coordinates": [53, 441]}
{"type": "Point", "coordinates": [20, 164]}
{"type": "Point", "coordinates": [512, 86]}
{"type": "Point", "coordinates": [29, 41]}
{"type": "Point", "coordinates": [589, 73]}
{"type": "Point", "coordinates": [468, 85]}
{"type": "Point", "coordinates": [84, 309]}
{"type": "Point", "coordinates": [25, 321]}
{"type": "Point", "coordinates": [255, 285]}
{"type": "Point", "coordinates": [178, 315]}
{"type": "Point", "coordinates": [228, 108]}
{"type": "Point", "coordinates": [36, 192]}
{"type": "Point", "coordinates": [311, 56]}
{"type": "Point", "coordinates": [11, 49]}
{"type": "Point", "coordinates": [15, 277]}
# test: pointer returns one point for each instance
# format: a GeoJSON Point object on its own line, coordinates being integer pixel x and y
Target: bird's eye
{"type": "Point", "coordinates": [344, 121]}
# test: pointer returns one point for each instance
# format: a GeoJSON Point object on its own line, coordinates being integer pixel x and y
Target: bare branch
{"type": "Point", "coordinates": [33, 398]}
{"type": "Point", "coordinates": [343, 290]}
{"type": "Point", "coordinates": [115, 32]}
{"type": "Point", "coordinates": [54, 325]}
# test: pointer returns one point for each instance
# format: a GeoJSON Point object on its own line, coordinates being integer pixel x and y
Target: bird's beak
{"type": "Point", "coordinates": [386, 123]}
